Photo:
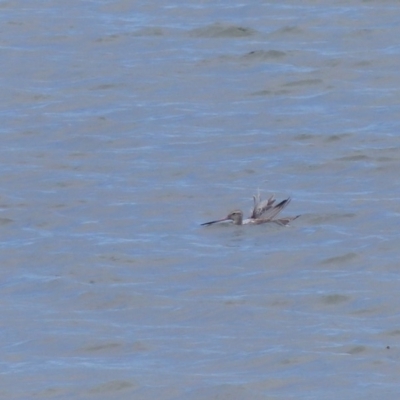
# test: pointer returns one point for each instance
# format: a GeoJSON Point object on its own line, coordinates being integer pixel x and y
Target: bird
{"type": "Point", "coordinates": [263, 211]}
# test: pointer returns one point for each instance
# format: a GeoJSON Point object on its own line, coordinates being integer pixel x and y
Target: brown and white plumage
{"type": "Point", "coordinates": [263, 211]}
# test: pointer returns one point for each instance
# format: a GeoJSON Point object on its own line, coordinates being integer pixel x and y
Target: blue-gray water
{"type": "Point", "coordinates": [127, 124]}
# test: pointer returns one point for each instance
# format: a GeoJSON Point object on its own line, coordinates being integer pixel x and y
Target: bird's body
{"type": "Point", "coordinates": [263, 211]}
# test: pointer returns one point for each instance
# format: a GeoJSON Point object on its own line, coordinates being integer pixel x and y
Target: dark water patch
{"type": "Point", "coordinates": [150, 31]}
{"type": "Point", "coordinates": [364, 312]}
{"type": "Point", "coordinates": [356, 350]}
{"type": "Point", "coordinates": [354, 157]}
{"type": "Point", "coordinates": [385, 159]}
{"type": "Point", "coordinates": [108, 39]}
{"type": "Point", "coordinates": [113, 387]}
{"type": "Point", "coordinates": [224, 392]}
{"type": "Point", "coordinates": [305, 136]}
{"type": "Point", "coordinates": [118, 258]}
{"type": "Point", "coordinates": [267, 92]}
{"type": "Point", "coordinates": [340, 259]}
{"type": "Point", "coordinates": [51, 393]}
{"type": "Point", "coordinates": [260, 55]}
{"type": "Point", "coordinates": [363, 63]}
{"type": "Point", "coordinates": [333, 299]}
{"type": "Point", "coordinates": [288, 30]}
{"type": "Point", "coordinates": [334, 217]}
{"type": "Point", "coordinates": [336, 137]}
{"type": "Point", "coordinates": [321, 138]}
{"type": "Point", "coordinates": [303, 82]}
{"type": "Point", "coordinates": [363, 33]}
{"type": "Point", "coordinates": [102, 347]}
{"type": "Point", "coordinates": [219, 30]}
{"type": "Point", "coordinates": [104, 86]}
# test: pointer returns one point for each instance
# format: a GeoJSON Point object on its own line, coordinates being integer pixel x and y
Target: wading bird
{"type": "Point", "coordinates": [263, 211]}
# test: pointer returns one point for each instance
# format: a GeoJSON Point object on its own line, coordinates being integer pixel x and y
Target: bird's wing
{"type": "Point", "coordinates": [270, 212]}
{"type": "Point", "coordinates": [261, 206]}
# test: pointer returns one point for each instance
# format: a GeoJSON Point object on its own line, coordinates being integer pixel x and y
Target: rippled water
{"type": "Point", "coordinates": [127, 124]}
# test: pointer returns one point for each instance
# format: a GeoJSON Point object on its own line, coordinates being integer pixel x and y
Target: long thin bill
{"type": "Point", "coordinates": [214, 222]}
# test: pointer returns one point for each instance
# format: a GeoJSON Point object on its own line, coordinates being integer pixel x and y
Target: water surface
{"type": "Point", "coordinates": [126, 125]}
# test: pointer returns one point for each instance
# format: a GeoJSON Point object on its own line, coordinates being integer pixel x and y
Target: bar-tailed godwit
{"type": "Point", "coordinates": [263, 211]}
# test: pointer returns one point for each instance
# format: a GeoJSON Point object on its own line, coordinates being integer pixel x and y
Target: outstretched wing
{"type": "Point", "coordinates": [261, 206]}
{"type": "Point", "coordinates": [270, 212]}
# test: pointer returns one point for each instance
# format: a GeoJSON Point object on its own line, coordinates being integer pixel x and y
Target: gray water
{"type": "Point", "coordinates": [125, 125]}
